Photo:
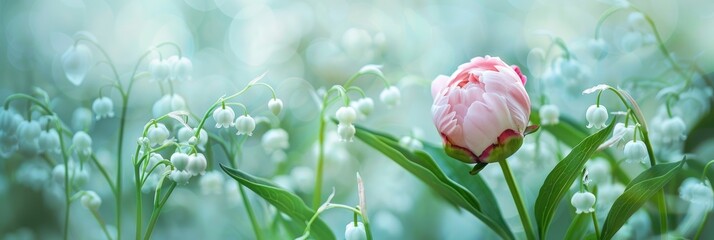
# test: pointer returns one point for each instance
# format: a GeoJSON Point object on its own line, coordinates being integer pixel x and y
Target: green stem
{"type": "Point", "coordinates": [320, 159]}
{"type": "Point", "coordinates": [251, 214]}
{"type": "Point", "coordinates": [139, 204]}
{"type": "Point", "coordinates": [104, 173]}
{"type": "Point", "coordinates": [595, 224]}
{"type": "Point", "coordinates": [157, 211]}
{"type": "Point", "coordinates": [520, 205]}
{"type": "Point", "coordinates": [120, 146]}
{"type": "Point", "coordinates": [101, 223]}
{"type": "Point", "coordinates": [701, 226]}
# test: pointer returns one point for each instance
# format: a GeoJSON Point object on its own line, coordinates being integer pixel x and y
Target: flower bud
{"type": "Point", "coordinates": [29, 130]}
{"type": "Point", "coordinates": [187, 135]}
{"type": "Point", "coordinates": [160, 69]}
{"type": "Point", "coordinates": [364, 106]}
{"type": "Point", "coordinates": [224, 117]}
{"type": "Point", "coordinates": [49, 141]}
{"type": "Point", "coordinates": [211, 183]}
{"type": "Point", "coordinates": [76, 62]}
{"type": "Point", "coordinates": [103, 107]}
{"type": "Point", "coordinates": [673, 130]}
{"type": "Point", "coordinates": [245, 125]}
{"type": "Point", "coordinates": [275, 105]}
{"type": "Point", "coordinates": [599, 171]}
{"type": "Point", "coordinates": [275, 139]}
{"type": "Point", "coordinates": [180, 160]}
{"type": "Point", "coordinates": [549, 115]}
{"type": "Point", "coordinates": [598, 48]}
{"type": "Point", "coordinates": [167, 104]}
{"type": "Point", "coordinates": [82, 143]}
{"type": "Point", "coordinates": [196, 164]}
{"type": "Point", "coordinates": [91, 200]}
{"type": "Point", "coordinates": [583, 202]}
{"type": "Point", "coordinates": [180, 176]}
{"type": "Point", "coordinates": [346, 132]}
{"type": "Point", "coordinates": [353, 232]}
{"type": "Point", "coordinates": [636, 151]}
{"type": "Point", "coordinates": [390, 96]}
{"type": "Point", "coordinates": [346, 115]}
{"type": "Point", "coordinates": [157, 134]}
{"type": "Point", "coordinates": [596, 116]}
{"type": "Point", "coordinates": [183, 69]}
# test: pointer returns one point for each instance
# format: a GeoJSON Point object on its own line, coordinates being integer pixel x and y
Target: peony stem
{"type": "Point", "coordinates": [520, 205]}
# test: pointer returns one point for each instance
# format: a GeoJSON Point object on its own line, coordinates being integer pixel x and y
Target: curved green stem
{"type": "Point", "coordinates": [595, 225]}
{"type": "Point", "coordinates": [67, 186]}
{"type": "Point", "coordinates": [320, 158]}
{"type": "Point", "coordinates": [520, 205]}
{"type": "Point", "coordinates": [157, 211]}
{"type": "Point", "coordinates": [104, 172]}
{"type": "Point", "coordinates": [101, 223]}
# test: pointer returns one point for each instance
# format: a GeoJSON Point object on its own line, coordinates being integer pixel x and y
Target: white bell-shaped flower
{"type": "Point", "coordinates": [636, 151]}
{"type": "Point", "coordinates": [346, 132]}
{"type": "Point", "coordinates": [180, 160]}
{"type": "Point", "coordinates": [28, 130]}
{"type": "Point", "coordinates": [583, 202]}
{"type": "Point", "coordinates": [346, 115]}
{"type": "Point", "coordinates": [157, 134]}
{"type": "Point", "coordinates": [91, 200]}
{"type": "Point", "coordinates": [180, 176]}
{"type": "Point", "coordinates": [699, 193]}
{"type": "Point", "coordinates": [49, 141]}
{"type": "Point", "coordinates": [245, 125]}
{"type": "Point", "coordinates": [82, 143]}
{"type": "Point", "coordinates": [275, 105]}
{"type": "Point", "coordinates": [364, 106]}
{"type": "Point", "coordinates": [76, 62]}
{"type": "Point", "coordinates": [596, 116]}
{"type": "Point", "coordinates": [103, 107]}
{"type": "Point", "coordinates": [672, 130]}
{"type": "Point", "coordinates": [82, 119]}
{"type": "Point", "coordinates": [160, 69]}
{"type": "Point", "coordinates": [212, 183]}
{"type": "Point", "coordinates": [196, 164]}
{"type": "Point", "coordinates": [353, 232]}
{"type": "Point", "coordinates": [224, 117]}
{"type": "Point", "coordinates": [275, 139]}
{"type": "Point", "coordinates": [598, 48]}
{"type": "Point", "coordinates": [628, 132]}
{"type": "Point", "coordinates": [167, 104]}
{"type": "Point", "coordinates": [182, 69]}
{"type": "Point", "coordinates": [390, 96]}
{"type": "Point", "coordinates": [187, 135]}
{"type": "Point", "coordinates": [9, 121]}
{"type": "Point", "coordinates": [549, 114]}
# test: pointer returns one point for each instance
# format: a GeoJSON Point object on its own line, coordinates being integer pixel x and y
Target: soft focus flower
{"type": "Point", "coordinates": [187, 135]}
{"type": "Point", "coordinates": [599, 171]}
{"type": "Point", "coordinates": [481, 110]}
{"type": "Point", "coordinates": [224, 117]}
{"type": "Point", "coordinates": [410, 143]}
{"type": "Point", "coordinates": [608, 193]}
{"type": "Point", "coordinates": [697, 192]}
{"type": "Point", "coordinates": [180, 176]}
{"type": "Point", "coordinates": [390, 96]}
{"type": "Point", "coordinates": [76, 62]}
{"type": "Point", "coordinates": [245, 125]}
{"type": "Point", "coordinates": [631, 41]}
{"type": "Point", "coordinates": [346, 115]}
{"type": "Point", "coordinates": [9, 121]}
{"type": "Point", "coordinates": [672, 130]}
{"type": "Point", "coordinates": [103, 107]}
{"type": "Point", "coordinates": [157, 134]}
{"type": "Point", "coordinates": [160, 69]}
{"type": "Point", "coordinates": [275, 105]}
{"type": "Point", "coordinates": [364, 106]}
{"type": "Point", "coordinates": [196, 164]}
{"type": "Point", "coordinates": [167, 104]}
{"type": "Point", "coordinates": [353, 232]}
{"type": "Point", "coordinates": [583, 202]}
{"type": "Point", "coordinates": [628, 133]}
{"type": "Point", "coordinates": [82, 119]}
{"type": "Point", "coordinates": [181, 68]}
{"type": "Point", "coordinates": [179, 160]}
{"type": "Point", "coordinates": [598, 48]}
{"type": "Point", "coordinates": [549, 114]}
{"type": "Point", "coordinates": [82, 143]}
{"type": "Point", "coordinates": [275, 139]}
{"type": "Point", "coordinates": [346, 132]}
{"type": "Point", "coordinates": [596, 115]}
{"type": "Point", "coordinates": [29, 130]}
{"type": "Point", "coordinates": [49, 141]}
{"type": "Point", "coordinates": [569, 68]}
{"type": "Point", "coordinates": [91, 200]}
{"type": "Point", "coordinates": [211, 183]}
{"type": "Point", "coordinates": [635, 151]}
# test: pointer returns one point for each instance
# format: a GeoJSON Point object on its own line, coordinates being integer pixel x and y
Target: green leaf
{"type": "Point", "coordinates": [641, 189]}
{"type": "Point", "coordinates": [423, 166]}
{"type": "Point", "coordinates": [560, 179]}
{"type": "Point", "coordinates": [578, 227]}
{"type": "Point", "coordinates": [284, 201]}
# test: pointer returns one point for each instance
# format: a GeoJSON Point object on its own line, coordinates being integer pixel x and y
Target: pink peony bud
{"type": "Point", "coordinates": [482, 110]}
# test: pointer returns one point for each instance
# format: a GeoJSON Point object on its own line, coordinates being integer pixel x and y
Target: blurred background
{"type": "Point", "coordinates": [308, 45]}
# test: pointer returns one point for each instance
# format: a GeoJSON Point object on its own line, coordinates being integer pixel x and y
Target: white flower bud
{"type": "Point", "coordinates": [76, 62]}
{"type": "Point", "coordinates": [180, 160]}
{"type": "Point", "coordinates": [211, 183]}
{"type": "Point", "coordinates": [157, 134]}
{"type": "Point", "coordinates": [596, 116]}
{"type": "Point", "coordinates": [636, 151]}
{"type": "Point", "coordinates": [549, 114]}
{"type": "Point", "coordinates": [274, 140]}
{"type": "Point", "coordinates": [103, 107]}
{"type": "Point", "coordinates": [364, 106]}
{"type": "Point", "coordinates": [245, 125]}
{"type": "Point", "coordinates": [598, 48]}
{"type": "Point", "coordinates": [599, 171]}
{"type": "Point", "coordinates": [49, 141]}
{"type": "Point", "coordinates": [583, 202]}
{"type": "Point", "coordinates": [58, 174]}
{"type": "Point", "coordinates": [183, 69]}
{"type": "Point", "coordinates": [346, 115]}
{"type": "Point", "coordinates": [180, 176]}
{"type": "Point", "coordinates": [275, 105]}
{"type": "Point", "coordinates": [167, 104]}
{"type": "Point", "coordinates": [82, 143]}
{"type": "Point", "coordinates": [673, 130]}
{"type": "Point", "coordinates": [80, 177]}
{"type": "Point", "coordinates": [29, 130]}
{"type": "Point", "coordinates": [353, 232]}
{"type": "Point", "coordinates": [91, 200]}
{"type": "Point", "coordinates": [224, 117]}
{"type": "Point", "coordinates": [82, 119]}
{"type": "Point", "coordinates": [346, 132]}
{"type": "Point", "coordinates": [629, 132]}
{"type": "Point", "coordinates": [186, 135]}
{"type": "Point", "coordinates": [390, 96]}
{"type": "Point", "coordinates": [160, 69]}
{"type": "Point", "coordinates": [196, 164]}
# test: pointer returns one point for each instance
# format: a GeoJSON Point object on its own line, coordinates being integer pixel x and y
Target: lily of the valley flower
{"type": "Point", "coordinates": [91, 200]}
{"type": "Point", "coordinates": [76, 62]}
{"type": "Point", "coordinates": [196, 164]}
{"type": "Point", "coordinates": [481, 110]}
{"type": "Point", "coordinates": [583, 202]}
{"type": "Point", "coordinates": [275, 105]}
{"type": "Point", "coordinates": [549, 114]}
{"type": "Point", "coordinates": [157, 134]}
{"type": "Point", "coordinates": [49, 141]}
{"type": "Point", "coordinates": [224, 117]}
{"type": "Point", "coordinates": [635, 151]}
{"type": "Point", "coordinates": [103, 107]}
{"type": "Point", "coordinates": [160, 69]}
{"type": "Point", "coordinates": [596, 115]}
{"type": "Point", "coordinates": [390, 96]}
{"type": "Point", "coordinates": [82, 143]}
{"type": "Point", "coordinates": [353, 232]}
{"type": "Point", "coordinates": [245, 125]}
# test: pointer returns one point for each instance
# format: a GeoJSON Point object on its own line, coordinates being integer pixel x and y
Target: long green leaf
{"type": "Point", "coordinates": [641, 189]}
{"type": "Point", "coordinates": [421, 165]}
{"type": "Point", "coordinates": [560, 179]}
{"type": "Point", "coordinates": [284, 201]}
{"type": "Point", "coordinates": [578, 227]}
